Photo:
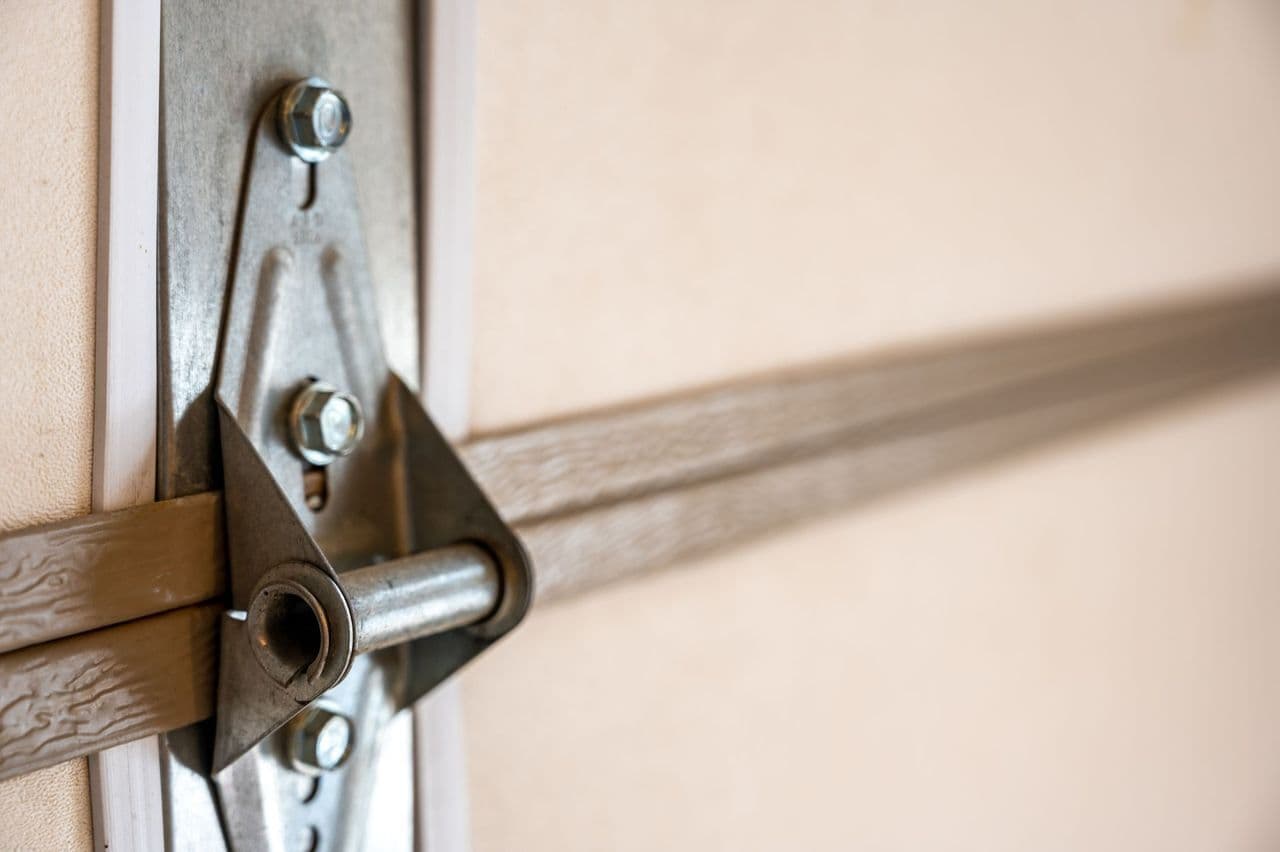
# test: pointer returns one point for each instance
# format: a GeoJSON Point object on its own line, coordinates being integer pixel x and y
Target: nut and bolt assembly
{"type": "Point", "coordinates": [325, 423]}
{"type": "Point", "coordinates": [314, 119]}
{"type": "Point", "coordinates": [320, 740]}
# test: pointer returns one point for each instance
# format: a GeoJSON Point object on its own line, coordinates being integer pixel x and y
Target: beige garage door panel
{"type": "Point", "coordinates": [48, 239]}
{"type": "Point", "coordinates": [676, 192]}
{"type": "Point", "coordinates": [48, 180]}
{"type": "Point", "coordinates": [1074, 651]}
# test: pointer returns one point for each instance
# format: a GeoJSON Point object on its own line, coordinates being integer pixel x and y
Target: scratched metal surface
{"type": "Point", "coordinates": [221, 64]}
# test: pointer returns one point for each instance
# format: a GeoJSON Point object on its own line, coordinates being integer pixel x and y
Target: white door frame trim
{"type": "Point", "coordinates": [447, 41]}
{"type": "Point", "coordinates": [124, 781]}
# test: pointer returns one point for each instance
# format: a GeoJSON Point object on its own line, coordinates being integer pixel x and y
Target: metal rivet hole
{"type": "Point", "coordinates": [315, 486]}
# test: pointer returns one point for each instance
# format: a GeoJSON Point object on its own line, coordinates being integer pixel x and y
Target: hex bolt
{"type": "Point", "coordinates": [314, 119]}
{"type": "Point", "coordinates": [326, 423]}
{"type": "Point", "coordinates": [320, 740]}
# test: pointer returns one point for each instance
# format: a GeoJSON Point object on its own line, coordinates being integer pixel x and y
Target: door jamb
{"type": "Point", "coordinates": [124, 781]}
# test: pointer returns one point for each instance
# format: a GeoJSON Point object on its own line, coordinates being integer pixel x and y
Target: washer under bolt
{"type": "Point", "coordinates": [326, 423]}
{"type": "Point", "coordinates": [320, 740]}
{"type": "Point", "coordinates": [314, 119]}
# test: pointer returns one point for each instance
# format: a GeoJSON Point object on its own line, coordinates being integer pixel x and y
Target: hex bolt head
{"type": "Point", "coordinates": [325, 423]}
{"type": "Point", "coordinates": [314, 119]}
{"type": "Point", "coordinates": [320, 740]}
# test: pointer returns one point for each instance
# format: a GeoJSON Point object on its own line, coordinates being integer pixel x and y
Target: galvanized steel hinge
{"type": "Point", "coordinates": [366, 565]}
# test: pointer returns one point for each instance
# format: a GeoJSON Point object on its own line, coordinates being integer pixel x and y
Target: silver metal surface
{"type": "Point", "coordinates": [314, 119]}
{"type": "Point", "coordinates": [404, 547]}
{"type": "Point", "coordinates": [221, 61]}
{"type": "Point", "coordinates": [299, 629]}
{"type": "Point", "coordinates": [268, 804]}
{"type": "Point", "coordinates": [320, 740]}
{"type": "Point", "coordinates": [305, 626]}
{"type": "Point", "coordinates": [421, 595]}
{"type": "Point", "coordinates": [325, 423]}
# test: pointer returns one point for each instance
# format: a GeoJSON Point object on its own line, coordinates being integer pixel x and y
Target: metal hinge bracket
{"type": "Point", "coordinates": [366, 564]}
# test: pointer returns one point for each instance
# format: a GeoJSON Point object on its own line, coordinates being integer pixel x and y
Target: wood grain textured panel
{"type": "Point", "coordinates": [90, 572]}
{"type": "Point", "coordinates": [578, 552]}
{"type": "Point", "coordinates": [87, 692]}
{"type": "Point", "coordinates": [599, 499]}
{"type": "Point", "coordinates": [574, 463]}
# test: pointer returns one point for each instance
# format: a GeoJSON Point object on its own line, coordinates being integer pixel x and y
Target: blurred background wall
{"type": "Point", "coordinates": [678, 192]}
{"type": "Point", "coordinates": [1072, 650]}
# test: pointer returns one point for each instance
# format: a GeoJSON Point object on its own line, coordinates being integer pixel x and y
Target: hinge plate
{"type": "Point", "coordinates": [301, 309]}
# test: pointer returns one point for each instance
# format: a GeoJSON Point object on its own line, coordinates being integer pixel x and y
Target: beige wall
{"type": "Point", "coordinates": [1076, 650]}
{"type": "Point", "coordinates": [47, 242]}
{"type": "Point", "coordinates": [675, 192]}
{"type": "Point", "coordinates": [1068, 651]}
